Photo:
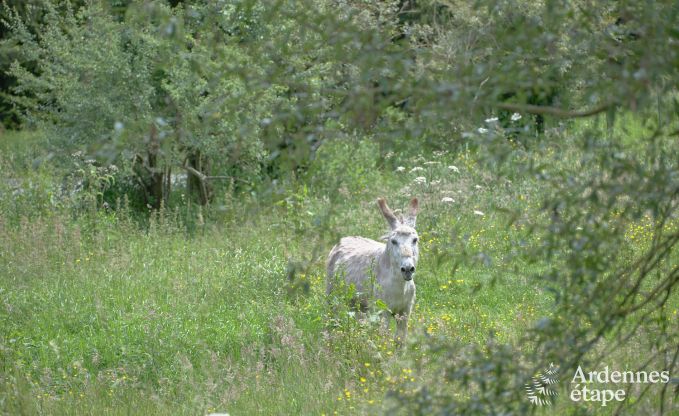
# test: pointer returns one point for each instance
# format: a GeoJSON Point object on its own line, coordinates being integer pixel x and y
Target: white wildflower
{"type": "Point", "coordinates": [416, 169]}
{"type": "Point", "coordinates": [516, 117]}
{"type": "Point", "coordinates": [482, 130]}
{"type": "Point", "coordinates": [436, 182]}
{"type": "Point", "coordinates": [454, 168]}
{"type": "Point", "coordinates": [431, 162]}
{"type": "Point", "coordinates": [479, 213]}
{"type": "Point", "coordinates": [400, 169]}
{"type": "Point", "coordinates": [491, 120]}
{"type": "Point", "coordinates": [478, 186]}
{"type": "Point", "coordinates": [447, 200]}
{"type": "Point", "coordinates": [420, 180]}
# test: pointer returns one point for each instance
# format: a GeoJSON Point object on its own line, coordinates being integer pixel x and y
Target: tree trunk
{"type": "Point", "coordinates": [155, 184]}
{"type": "Point", "coordinates": [197, 185]}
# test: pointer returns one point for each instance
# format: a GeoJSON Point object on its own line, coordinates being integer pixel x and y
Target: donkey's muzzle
{"type": "Point", "coordinates": [408, 272]}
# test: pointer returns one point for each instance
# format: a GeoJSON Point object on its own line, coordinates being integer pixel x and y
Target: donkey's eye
{"type": "Point", "coordinates": [394, 242]}
{"type": "Point", "coordinates": [415, 240]}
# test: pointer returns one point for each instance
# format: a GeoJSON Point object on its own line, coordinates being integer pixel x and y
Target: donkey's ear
{"type": "Point", "coordinates": [411, 219]}
{"type": "Point", "coordinates": [388, 214]}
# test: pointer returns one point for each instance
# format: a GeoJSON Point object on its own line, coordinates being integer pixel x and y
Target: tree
{"type": "Point", "coordinates": [118, 89]}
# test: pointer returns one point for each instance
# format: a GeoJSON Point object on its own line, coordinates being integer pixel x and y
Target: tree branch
{"type": "Point", "coordinates": [203, 177]}
{"type": "Point", "coordinates": [552, 111]}
{"type": "Point", "coordinates": [200, 175]}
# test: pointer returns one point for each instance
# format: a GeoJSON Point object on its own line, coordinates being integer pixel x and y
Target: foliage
{"type": "Point", "coordinates": [118, 90]}
{"type": "Point", "coordinates": [349, 165]}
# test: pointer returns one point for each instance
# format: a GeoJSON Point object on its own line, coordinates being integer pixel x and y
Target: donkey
{"type": "Point", "coordinates": [392, 265]}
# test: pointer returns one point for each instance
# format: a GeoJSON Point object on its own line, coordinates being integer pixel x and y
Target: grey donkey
{"type": "Point", "coordinates": [384, 270]}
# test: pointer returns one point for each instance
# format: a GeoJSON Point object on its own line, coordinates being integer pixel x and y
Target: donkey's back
{"type": "Point", "coordinates": [354, 259]}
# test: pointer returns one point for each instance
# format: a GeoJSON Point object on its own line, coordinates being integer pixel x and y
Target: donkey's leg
{"type": "Point", "coordinates": [386, 319]}
{"type": "Point", "coordinates": [401, 328]}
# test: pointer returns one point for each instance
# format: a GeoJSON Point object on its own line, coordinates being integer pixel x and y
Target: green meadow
{"type": "Point", "coordinates": [223, 309]}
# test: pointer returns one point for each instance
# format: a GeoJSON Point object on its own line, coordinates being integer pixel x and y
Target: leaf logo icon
{"type": "Point", "coordinates": [540, 390]}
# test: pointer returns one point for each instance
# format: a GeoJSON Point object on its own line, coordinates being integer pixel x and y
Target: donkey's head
{"type": "Point", "coordinates": [402, 239]}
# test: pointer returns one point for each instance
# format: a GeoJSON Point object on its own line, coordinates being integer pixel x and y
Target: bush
{"type": "Point", "coordinates": [345, 165]}
{"type": "Point", "coordinates": [118, 90]}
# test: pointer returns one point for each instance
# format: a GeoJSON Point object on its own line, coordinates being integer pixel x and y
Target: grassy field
{"type": "Point", "coordinates": [102, 315]}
